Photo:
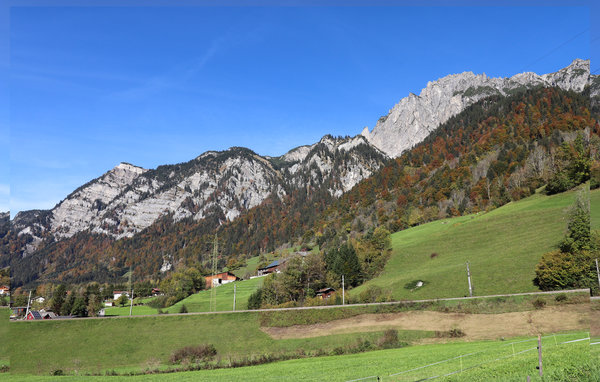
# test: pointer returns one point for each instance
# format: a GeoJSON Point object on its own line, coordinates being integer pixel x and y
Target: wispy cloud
{"type": "Point", "coordinates": [173, 79]}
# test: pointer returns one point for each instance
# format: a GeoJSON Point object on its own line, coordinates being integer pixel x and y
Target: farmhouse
{"type": "Point", "coordinates": [33, 315]}
{"type": "Point", "coordinates": [220, 278]}
{"type": "Point", "coordinates": [325, 293]}
{"type": "Point", "coordinates": [156, 292]}
{"type": "Point", "coordinates": [274, 267]}
{"type": "Point", "coordinates": [4, 290]}
{"type": "Point", "coordinates": [119, 293]}
{"type": "Point", "coordinates": [48, 315]}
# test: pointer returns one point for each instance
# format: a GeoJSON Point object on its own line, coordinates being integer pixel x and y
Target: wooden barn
{"type": "Point", "coordinates": [325, 293]}
{"type": "Point", "coordinates": [220, 278]}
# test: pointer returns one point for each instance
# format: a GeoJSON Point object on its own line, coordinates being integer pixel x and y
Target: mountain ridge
{"type": "Point", "coordinates": [415, 116]}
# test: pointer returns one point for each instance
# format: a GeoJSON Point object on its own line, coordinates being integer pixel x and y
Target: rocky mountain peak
{"type": "Point", "coordinates": [414, 117]}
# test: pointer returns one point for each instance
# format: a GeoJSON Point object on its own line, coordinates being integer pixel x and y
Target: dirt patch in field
{"type": "Point", "coordinates": [595, 319]}
{"type": "Point", "coordinates": [475, 326]}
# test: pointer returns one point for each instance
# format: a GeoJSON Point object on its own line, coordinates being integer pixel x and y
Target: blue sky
{"type": "Point", "coordinates": [93, 86]}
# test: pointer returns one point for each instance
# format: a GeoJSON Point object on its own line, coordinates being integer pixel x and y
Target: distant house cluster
{"type": "Point", "coordinates": [34, 315]}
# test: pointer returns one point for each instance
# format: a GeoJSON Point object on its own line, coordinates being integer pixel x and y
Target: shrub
{"type": "Point", "coordinates": [456, 333]}
{"type": "Point", "coordinates": [389, 339]}
{"type": "Point", "coordinates": [539, 303]}
{"type": "Point", "coordinates": [561, 297]}
{"type": "Point", "coordinates": [193, 354]}
{"type": "Point", "coordinates": [452, 333]}
{"type": "Point", "coordinates": [371, 294]}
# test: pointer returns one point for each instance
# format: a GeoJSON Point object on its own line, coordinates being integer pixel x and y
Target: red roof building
{"type": "Point", "coordinates": [220, 278]}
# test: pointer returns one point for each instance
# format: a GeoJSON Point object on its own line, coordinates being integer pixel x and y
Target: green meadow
{"type": "Point", "coordinates": [95, 345]}
{"type": "Point", "coordinates": [502, 247]}
{"type": "Point", "coordinates": [4, 335]}
{"type": "Point", "coordinates": [501, 360]}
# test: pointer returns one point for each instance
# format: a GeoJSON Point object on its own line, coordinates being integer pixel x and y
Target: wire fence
{"type": "Point", "coordinates": [469, 361]}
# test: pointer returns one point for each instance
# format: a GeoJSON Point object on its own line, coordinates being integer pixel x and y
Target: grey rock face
{"type": "Point", "coordinates": [127, 199]}
{"type": "Point", "coordinates": [415, 116]}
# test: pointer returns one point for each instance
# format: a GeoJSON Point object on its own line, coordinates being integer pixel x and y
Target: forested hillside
{"type": "Point", "coordinates": [497, 150]}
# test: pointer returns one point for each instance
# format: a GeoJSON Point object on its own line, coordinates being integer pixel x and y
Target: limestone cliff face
{"type": "Point", "coordinates": [415, 116]}
{"type": "Point", "coordinates": [128, 199]}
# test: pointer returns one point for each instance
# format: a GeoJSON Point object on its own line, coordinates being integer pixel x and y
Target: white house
{"type": "Point", "coordinates": [4, 290]}
{"type": "Point", "coordinates": [119, 293]}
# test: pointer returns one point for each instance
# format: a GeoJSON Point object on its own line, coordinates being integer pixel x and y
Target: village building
{"type": "Point", "coordinates": [18, 311]}
{"type": "Point", "coordinates": [4, 290]}
{"type": "Point", "coordinates": [274, 267]}
{"type": "Point", "coordinates": [33, 315]}
{"type": "Point", "coordinates": [325, 293]}
{"type": "Point", "coordinates": [220, 278]}
{"type": "Point", "coordinates": [48, 315]}
{"type": "Point", "coordinates": [156, 292]}
{"type": "Point", "coordinates": [119, 293]}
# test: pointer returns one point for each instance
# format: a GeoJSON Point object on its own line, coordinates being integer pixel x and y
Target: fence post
{"type": "Point", "coordinates": [598, 272]}
{"type": "Point", "coordinates": [540, 353]}
{"type": "Point", "coordinates": [469, 279]}
{"type": "Point", "coordinates": [234, 286]}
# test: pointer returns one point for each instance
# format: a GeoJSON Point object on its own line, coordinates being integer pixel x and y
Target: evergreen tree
{"type": "Point", "coordinates": [59, 298]}
{"type": "Point", "coordinates": [343, 261]}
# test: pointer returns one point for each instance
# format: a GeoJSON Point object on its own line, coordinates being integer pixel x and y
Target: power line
{"type": "Point", "coordinates": [554, 50]}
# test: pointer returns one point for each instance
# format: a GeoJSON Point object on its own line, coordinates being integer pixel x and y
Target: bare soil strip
{"type": "Point", "coordinates": [476, 326]}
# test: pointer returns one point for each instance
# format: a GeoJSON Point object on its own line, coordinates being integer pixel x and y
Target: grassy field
{"type": "Point", "coordinates": [141, 342]}
{"type": "Point", "coordinates": [502, 246]}
{"type": "Point", "coordinates": [138, 343]}
{"type": "Point", "coordinates": [508, 360]}
{"type": "Point", "coordinates": [200, 302]}
{"type": "Point", "coordinates": [4, 335]}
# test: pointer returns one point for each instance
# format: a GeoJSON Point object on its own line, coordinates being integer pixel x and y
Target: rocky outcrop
{"type": "Point", "coordinates": [416, 116]}
{"type": "Point", "coordinates": [128, 199]}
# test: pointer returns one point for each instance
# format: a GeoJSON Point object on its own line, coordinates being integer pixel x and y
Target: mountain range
{"type": "Point", "coordinates": [221, 188]}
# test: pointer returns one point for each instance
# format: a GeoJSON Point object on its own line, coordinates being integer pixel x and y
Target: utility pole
{"type": "Point", "coordinates": [234, 295]}
{"type": "Point", "coordinates": [130, 287]}
{"type": "Point", "coordinates": [213, 290]}
{"type": "Point", "coordinates": [343, 292]}
{"type": "Point", "coordinates": [540, 353]}
{"type": "Point", "coordinates": [469, 279]}
{"type": "Point", "coordinates": [28, 301]}
{"type": "Point", "coordinates": [598, 272]}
